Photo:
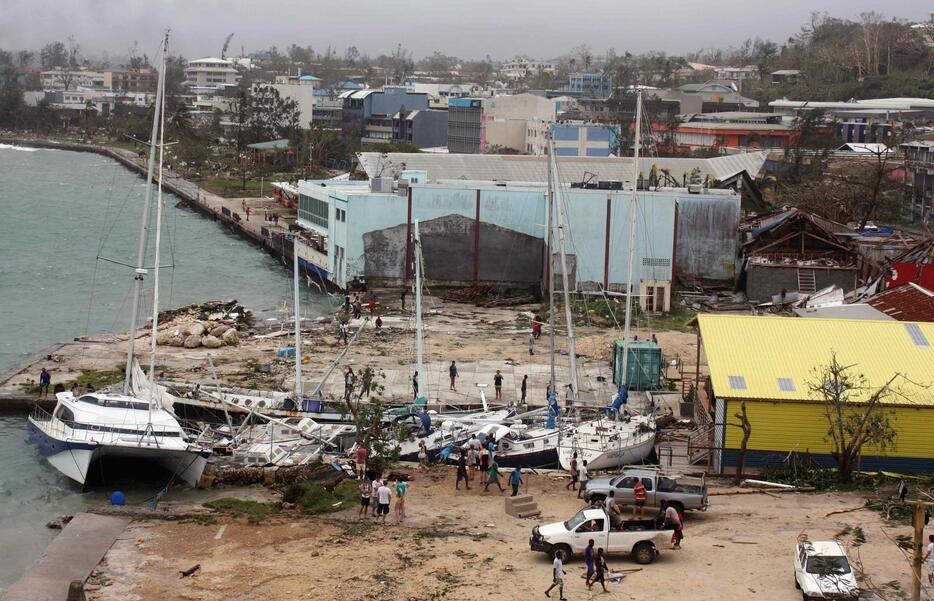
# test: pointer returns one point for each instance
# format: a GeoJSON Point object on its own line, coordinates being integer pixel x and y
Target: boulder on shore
{"type": "Point", "coordinates": [231, 337]}
{"type": "Point", "coordinates": [219, 331]}
{"type": "Point", "coordinates": [211, 342]}
{"type": "Point", "coordinates": [193, 341]}
{"type": "Point", "coordinates": [195, 329]}
{"type": "Point", "coordinates": [177, 340]}
{"type": "Point", "coordinates": [164, 338]}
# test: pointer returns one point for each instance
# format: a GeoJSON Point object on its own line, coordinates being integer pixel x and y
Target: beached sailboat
{"type": "Point", "coordinates": [611, 440]}
{"type": "Point", "coordinates": [453, 429]}
{"type": "Point", "coordinates": [88, 428]}
{"type": "Point", "coordinates": [536, 445]}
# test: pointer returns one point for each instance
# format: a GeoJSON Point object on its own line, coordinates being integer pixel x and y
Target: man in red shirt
{"type": "Point", "coordinates": [638, 492]}
{"type": "Point", "coordinates": [360, 456]}
{"type": "Point", "coordinates": [372, 306]}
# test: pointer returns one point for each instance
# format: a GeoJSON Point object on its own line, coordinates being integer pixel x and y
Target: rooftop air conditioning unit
{"type": "Point", "coordinates": [381, 184]}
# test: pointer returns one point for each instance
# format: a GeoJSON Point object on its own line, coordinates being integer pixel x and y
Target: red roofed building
{"type": "Point", "coordinates": [908, 302]}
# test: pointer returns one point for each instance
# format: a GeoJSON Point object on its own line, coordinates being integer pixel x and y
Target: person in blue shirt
{"type": "Point", "coordinates": [452, 371]}
{"type": "Point", "coordinates": [515, 480]}
{"type": "Point", "coordinates": [588, 560]}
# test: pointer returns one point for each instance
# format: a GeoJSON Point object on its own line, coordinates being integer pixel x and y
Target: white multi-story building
{"type": "Point", "coordinates": [521, 67]}
{"type": "Point", "coordinates": [301, 89]}
{"type": "Point", "coordinates": [505, 120]}
{"type": "Point", "coordinates": [72, 79]}
{"type": "Point", "coordinates": [211, 75]}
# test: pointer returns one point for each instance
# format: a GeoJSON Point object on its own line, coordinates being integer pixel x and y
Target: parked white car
{"type": "Point", "coordinates": [822, 571]}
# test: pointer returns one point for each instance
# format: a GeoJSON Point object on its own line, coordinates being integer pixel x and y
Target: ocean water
{"type": "Point", "coordinates": [59, 211]}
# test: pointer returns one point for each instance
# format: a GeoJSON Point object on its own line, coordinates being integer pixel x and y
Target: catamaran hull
{"type": "Point", "coordinates": [607, 458]}
{"type": "Point", "coordinates": [74, 458]}
{"type": "Point", "coordinates": [545, 458]}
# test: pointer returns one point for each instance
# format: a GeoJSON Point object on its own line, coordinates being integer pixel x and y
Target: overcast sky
{"type": "Point", "coordinates": [469, 29]}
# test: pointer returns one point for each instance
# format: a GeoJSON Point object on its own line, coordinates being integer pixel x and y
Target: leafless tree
{"type": "Point", "coordinates": [855, 413]}
{"type": "Point", "coordinates": [746, 427]}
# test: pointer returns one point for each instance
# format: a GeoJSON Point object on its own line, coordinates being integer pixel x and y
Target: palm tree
{"type": "Point", "coordinates": [89, 111]}
{"type": "Point", "coordinates": [180, 121]}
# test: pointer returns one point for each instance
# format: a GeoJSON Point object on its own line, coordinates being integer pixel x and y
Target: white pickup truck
{"type": "Point", "coordinates": [639, 538]}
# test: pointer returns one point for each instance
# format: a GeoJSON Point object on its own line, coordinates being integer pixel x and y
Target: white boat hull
{"type": "Point", "coordinates": [633, 451]}
{"type": "Point", "coordinates": [73, 457]}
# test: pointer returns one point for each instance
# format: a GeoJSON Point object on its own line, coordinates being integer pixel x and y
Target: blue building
{"type": "Point", "coordinates": [582, 140]}
{"type": "Point", "coordinates": [596, 85]}
{"type": "Point", "coordinates": [423, 129]}
{"type": "Point", "coordinates": [483, 231]}
{"type": "Point", "coordinates": [369, 113]}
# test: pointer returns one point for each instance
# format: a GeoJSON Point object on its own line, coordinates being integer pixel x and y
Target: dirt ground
{"type": "Point", "coordinates": [481, 340]}
{"type": "Point", "coordinates": [462, 545]}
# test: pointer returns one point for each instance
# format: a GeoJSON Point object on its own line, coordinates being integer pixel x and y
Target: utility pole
{"type": "Point", "coordinates": [918, 512]}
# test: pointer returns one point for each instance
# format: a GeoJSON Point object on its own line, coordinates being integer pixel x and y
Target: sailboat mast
{"type": "Point", "coordinates": [156, 263]}
{"type": "Point", "coordinates": [568, 313]}
{"type": "Point", "coordinates": [298, 323]}
{"type": "Point", "coordinates": [632, 236]}
{"type": "Point", "coordinates": [551, 275]}
{"type": "Point", "coordinates": [419, 334]}
{"type": "Point", "coordinates": [140, 271]}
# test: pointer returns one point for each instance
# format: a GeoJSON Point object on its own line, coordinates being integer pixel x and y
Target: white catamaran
{"type": "Point", "coordinates": [95, 425]}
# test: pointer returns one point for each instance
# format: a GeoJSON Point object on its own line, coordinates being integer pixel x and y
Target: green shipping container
{"type": "Point", "coordinates": [644, 367]}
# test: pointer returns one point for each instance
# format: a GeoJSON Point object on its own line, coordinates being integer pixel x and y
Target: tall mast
{"type": "Point", "coordinates": [156, 263]}
{"type": "Point", "coordinates": [298, 323]}
{"type": "Point", "coordinates": [419, 336]}
{"type": "Point", "coordinates": [632, 236]}
{"type": "Point", "coordinates": [568, 313]}
{"type": "Point", "coordinates": [140, 271]}
{"type": "Point", "coordinates": [551, 275]}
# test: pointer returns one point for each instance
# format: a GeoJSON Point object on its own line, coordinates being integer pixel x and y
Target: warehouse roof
{"type": "Point", "coordinates": [753, 357]}
{"type": "Point", "coordinates": [521, 168]}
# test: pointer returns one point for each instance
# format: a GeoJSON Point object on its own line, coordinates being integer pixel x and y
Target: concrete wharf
{"type": "Point", "coordinates": [70, 556]}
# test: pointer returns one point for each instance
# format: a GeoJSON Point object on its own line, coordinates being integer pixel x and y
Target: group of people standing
{"type": "Point", "coordinates": [376, 494]}
{"type": "Point", "coordinates": [498, 377]}
{"type": "Point", "coordinates": [45, 382]}
{"type": "Point", "coordinates": [350, 382]}
{"type": "Point", "coordinates": [479, 456]}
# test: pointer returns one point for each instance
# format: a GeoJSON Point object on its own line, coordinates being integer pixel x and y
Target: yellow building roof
{"type": "Point", "coordinates": [775, 357]}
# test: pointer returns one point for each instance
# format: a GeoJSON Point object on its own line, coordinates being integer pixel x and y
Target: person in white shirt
{"type": "Point", "coordinates": [374, 501]}
{"type": "Point", "coordinates": [929, 559]}
{"type": "Point", "coordinates": [673, 521]}
{"type": "Point", "coordinates": [582, 476]}
{"type": "Point", "coordinates": [557, 570]}
{"type": "Point", "coordinates": [612, 510]}
{"type": "Point", "coordinates": [383, 497]}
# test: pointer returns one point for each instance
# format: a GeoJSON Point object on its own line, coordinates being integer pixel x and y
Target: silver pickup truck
{"type": "Point", "coordinates": [681, 492]}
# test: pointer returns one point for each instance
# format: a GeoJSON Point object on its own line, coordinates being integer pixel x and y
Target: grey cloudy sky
{"type": "Point", "coordinates": [466, 28]}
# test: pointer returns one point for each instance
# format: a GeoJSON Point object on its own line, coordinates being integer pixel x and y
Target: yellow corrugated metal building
{"type": "Point", "coordinates": [769, 361]}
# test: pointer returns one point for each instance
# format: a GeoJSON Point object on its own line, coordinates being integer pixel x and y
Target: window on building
{"type": "Point", "coordinates": [313, 210]}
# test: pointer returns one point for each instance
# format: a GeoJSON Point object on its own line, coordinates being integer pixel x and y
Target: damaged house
{"type": "Point", "coordinates": [795, 251]}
